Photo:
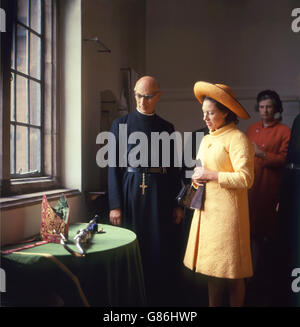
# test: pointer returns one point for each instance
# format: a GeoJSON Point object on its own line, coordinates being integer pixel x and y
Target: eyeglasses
{"type": "Point", "coordinates": [145, 96]}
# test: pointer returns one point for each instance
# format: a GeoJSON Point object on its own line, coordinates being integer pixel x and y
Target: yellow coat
{"type": "Point", "coordinates": [219, 239]}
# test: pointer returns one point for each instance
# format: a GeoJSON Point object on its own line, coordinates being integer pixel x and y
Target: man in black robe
{"type": "Point", "coordinates": [288, 247]}
{"type": "Point", "coordinates": [142, 195]}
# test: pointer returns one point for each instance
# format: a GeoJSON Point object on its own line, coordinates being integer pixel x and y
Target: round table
{"type": "Point", "coordinates": [110, 274]}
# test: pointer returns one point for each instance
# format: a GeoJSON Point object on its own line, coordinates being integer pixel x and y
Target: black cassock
{"type": "Point", "coordinates": [288, 250]}
{"type": "Point", "coordinates": [149, 215]}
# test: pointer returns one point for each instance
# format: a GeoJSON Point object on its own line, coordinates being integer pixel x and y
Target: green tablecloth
{"type": "Point", "coordinates": [109, 275]}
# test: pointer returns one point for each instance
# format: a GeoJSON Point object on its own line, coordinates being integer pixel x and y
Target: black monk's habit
{"type": "Point", "coordinates": [149, 215]}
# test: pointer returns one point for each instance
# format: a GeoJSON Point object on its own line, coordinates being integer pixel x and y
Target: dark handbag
{"type": "Point", "coordinates": [191, 197]}
{"type": "Point", "coordinates": [198, 199]}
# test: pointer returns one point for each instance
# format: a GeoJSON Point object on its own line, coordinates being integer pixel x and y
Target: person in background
{"type": "Point", "coordinates": [270, 139]}
{"type": "Point", "coordinates": [219, 240]}
{"type": "Point", "coordinates": [287, 253]}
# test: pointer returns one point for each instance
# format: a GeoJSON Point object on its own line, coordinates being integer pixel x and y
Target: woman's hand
{"type": "Point", "coordinates": [258, 152]}
{"type": "Point", "coordinates": [202, 175]}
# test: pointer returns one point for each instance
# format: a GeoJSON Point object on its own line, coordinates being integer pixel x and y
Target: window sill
{"type": "Point", "coordinates": [21, 186]}
{"type": "Point", "coordinates": [32, 198]}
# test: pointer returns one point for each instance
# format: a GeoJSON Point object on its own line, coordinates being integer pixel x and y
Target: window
{"type": "Point", "coordinates": [29, 85]}
{"type": "Point", "coordinates": [26, 90]}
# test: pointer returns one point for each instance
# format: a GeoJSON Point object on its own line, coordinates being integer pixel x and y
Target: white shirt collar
{"type": "Point", "coordinates": [144, 113]}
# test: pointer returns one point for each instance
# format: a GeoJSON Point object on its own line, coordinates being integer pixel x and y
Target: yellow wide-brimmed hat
{"type": "Point", "coordinates": [221, 93]}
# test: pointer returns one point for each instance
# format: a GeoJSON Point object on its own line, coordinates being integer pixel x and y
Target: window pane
{"type": "Point", "coordinates": [35, 103]}
{"type": "Point", "coordinates": [21, 99]}
{"type": "Point", "coordinates": [12, 97]}
{"type": "Point", "coordinates": [35, 149]}
{"type": "Point", "coordinates": [23, 11]}
{"type": "Point", "coordinates": [21, 149]}
{"type": "Point", "coordinates": [35, 23]}
{"type": "Point", "coordinates": [35, 56]}
{"type": "Point", "coordinates": [22, 36]}
{"type": "Point", "coordinates": [12, 149]}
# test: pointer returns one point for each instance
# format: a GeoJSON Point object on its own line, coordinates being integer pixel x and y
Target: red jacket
{"type": "Point", "coordinates": [264, 194]}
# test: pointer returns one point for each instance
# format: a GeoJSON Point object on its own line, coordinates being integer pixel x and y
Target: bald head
{"type": "Point", "coordinates": [147, 82]}
{"type": "Point", "coordinates": [147, 94]}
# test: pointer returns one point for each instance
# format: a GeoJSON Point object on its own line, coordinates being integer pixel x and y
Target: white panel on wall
{"type": "Point", "coordinates": [231, 42]}
{"type": "Point", "coordinates": [290, 110]}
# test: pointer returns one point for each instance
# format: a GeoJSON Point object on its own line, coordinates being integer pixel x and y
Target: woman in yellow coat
{"type": "Point", "coordinates": [219, 239]}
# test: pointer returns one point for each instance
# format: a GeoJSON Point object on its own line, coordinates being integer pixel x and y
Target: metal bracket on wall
{"type": "Point", "coordinates": [97, 40]}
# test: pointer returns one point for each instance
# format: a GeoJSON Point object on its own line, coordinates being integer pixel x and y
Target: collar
{"type": "Point", "coordinates": [142, 113]}
{"type": "Point", "coordinates": [223, 129]}
{"type": "Point", "coordinates": [275, 122]}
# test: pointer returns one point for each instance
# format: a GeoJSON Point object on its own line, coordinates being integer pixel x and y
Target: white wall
{"type": "Point", "coordinates": [24, 221]}
{"type": "Point", "coordinates": [120, 25]}
{"type": "Point", "coordinates": [247, 44]}
{"type": "Point", "coordinates": [70, 92]}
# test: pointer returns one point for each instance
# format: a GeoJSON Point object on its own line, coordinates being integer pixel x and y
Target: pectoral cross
{"type": "Point", "coordinates": [143, 185]}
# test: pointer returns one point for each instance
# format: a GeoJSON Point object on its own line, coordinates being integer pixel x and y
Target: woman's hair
{"type": "Point", "coordinates": [231, 117]}
{"type": "Point", "coordinates": [272, 95]}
